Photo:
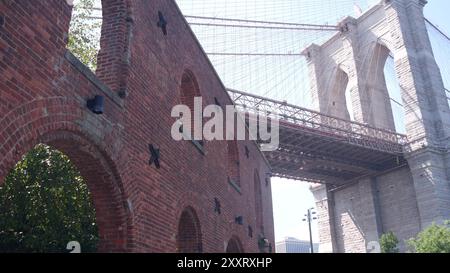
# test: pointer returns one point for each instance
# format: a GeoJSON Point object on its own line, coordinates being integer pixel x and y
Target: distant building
{"type": "Point", "coordinates": [294, 245]}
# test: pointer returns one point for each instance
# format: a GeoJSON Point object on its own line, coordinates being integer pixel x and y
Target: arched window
{"type": "Point", "coordinates": [234, 245]}
{"type": "Point", "coordinates": [189, 91]}
{"type": "Point", "coordinates": [233, 168]}
{"type": "Point", "coordinates": [189, 239]}
{"type": "Point", "coordinates": [258, 202]}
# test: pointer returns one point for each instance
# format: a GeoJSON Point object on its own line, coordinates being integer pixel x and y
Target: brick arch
{"type": "Point", "coordinates": [189, 235]}
{"type": "Point", "coordinates": [258, 202]}
{"type": "Point", "coordinates": [233, 168]}
{"type": "Point", "coordinates": [54, 122]}
{"type": "Point", "coordinates": [104, 184]}
{"type": "Point", "coordinates": [234, 245]}
{"type": "Point", "coordinates": [189, 89]}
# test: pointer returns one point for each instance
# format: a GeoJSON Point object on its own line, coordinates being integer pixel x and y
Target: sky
{"type": "Point", "coordinates": [438, 12]}
{"type": "Point", "coordinates": [281, 78]}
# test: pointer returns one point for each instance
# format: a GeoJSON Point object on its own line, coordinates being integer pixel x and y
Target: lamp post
{"type": "Point", "coordinates": [309, 217]}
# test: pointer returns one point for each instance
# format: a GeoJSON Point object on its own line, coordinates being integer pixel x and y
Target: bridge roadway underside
{"type": "Point", "coordinates": [316, 156]}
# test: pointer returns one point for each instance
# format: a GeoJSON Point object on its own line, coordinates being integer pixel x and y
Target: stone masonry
{"type": "Point", "coordinates": [409, 198]}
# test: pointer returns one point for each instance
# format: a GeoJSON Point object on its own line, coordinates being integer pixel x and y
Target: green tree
{"type": "Point", "coordinates": [434, 239]}
{"type": "Point", "coordinates": [84, 33]}
{"type": "Point", "coordinates": [44, 204]}
{"type": "Point", "coordinates": [389, 242]}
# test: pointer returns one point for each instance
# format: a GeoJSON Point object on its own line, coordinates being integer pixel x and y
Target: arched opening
{"type": "Point", "coordinates": [395, 95]}
{"type": "Point", "coordinates": [189, 239]}
{"type": "Point", "coordinates": [99, 36]}
{"type": "Point", "coordinates": [233, 168]}
{"type": "Point", "coordinates": [103, 187]}
{"type": "Point", "coordinates": [45, 204]}
{"type": "Point", "coordinates": [384, 94]}
{"type": "Point", "coordinates": [85, 31]}
{"type": "Point", "coordinates": [189, 90]}
{"type": "Point", "coordinates": [339, 96]}
{"type": "Point", "coordinates": [258, 202]}
{"type": "Point", "coordinates": [234, 245]}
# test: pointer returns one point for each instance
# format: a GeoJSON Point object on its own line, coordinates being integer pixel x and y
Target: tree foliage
{"type": "Point", "coordinates": [44, 204]}
{"type": "Point", "coordinates": [389, 243]}
{"type": "Point", "coordinates": [84, 33]}
{"type": "Point", "coordinates": [434, 239]}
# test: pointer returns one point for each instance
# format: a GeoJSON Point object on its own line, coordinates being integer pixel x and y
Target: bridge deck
{"type": "Point", "coordinates": [319, 148]}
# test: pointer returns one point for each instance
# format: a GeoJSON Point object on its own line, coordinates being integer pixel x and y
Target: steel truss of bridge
{"type": "Point", "coordinates": [318, 148]}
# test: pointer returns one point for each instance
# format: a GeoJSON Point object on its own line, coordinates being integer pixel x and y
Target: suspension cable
{"type": "Point", "coordinates": [437, 28]}
{"type": "Point", "coordinates": [318, 28]}
{"type": "Point", "coordinates": [252, 54]}
{"type": "Point", "coordinates": [331, 27]}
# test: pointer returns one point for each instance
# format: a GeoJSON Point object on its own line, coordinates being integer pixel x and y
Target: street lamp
{"type": "Point", "coordinates": [309, 217]}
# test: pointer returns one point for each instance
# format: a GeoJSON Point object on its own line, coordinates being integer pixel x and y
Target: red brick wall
{"type": "Point", "coordinates": [43, 93]}
{"type": "Point", "coordinates": [189, 236]}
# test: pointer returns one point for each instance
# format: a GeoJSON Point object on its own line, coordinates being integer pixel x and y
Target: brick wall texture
{"type": "Point", "coordinates": [43, 94]}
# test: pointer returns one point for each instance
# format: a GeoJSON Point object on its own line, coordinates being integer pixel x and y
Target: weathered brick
{"type": "Point", "coordinates": [43, 93]}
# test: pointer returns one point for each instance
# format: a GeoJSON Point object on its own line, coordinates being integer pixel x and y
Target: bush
{"type": "Point", "coordinates": [389, 242]}
{"type": "Point", "coordinates": [434, 239]}
{"type": "Point", "coordinates": [44, 204]}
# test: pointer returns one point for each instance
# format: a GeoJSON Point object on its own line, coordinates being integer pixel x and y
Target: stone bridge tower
{"type": "Point", "coordinates": [409, 198]}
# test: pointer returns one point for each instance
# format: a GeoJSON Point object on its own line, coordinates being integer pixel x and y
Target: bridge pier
{"type": "Point", "coordinates": [429, 169]}
{"type": "Point", "coordinates": [349, 216]}
{"type": "Point", "coordinates": [356, 214]}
